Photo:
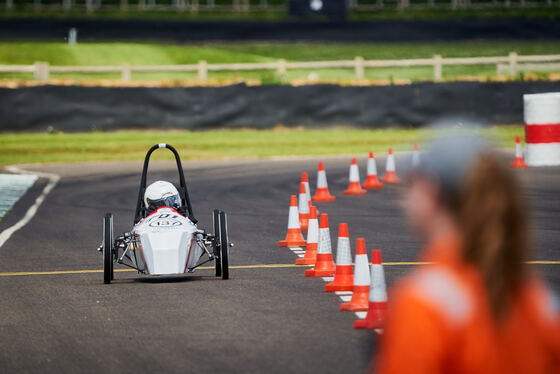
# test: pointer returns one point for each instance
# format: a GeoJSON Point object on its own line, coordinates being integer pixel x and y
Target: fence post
{"type": "Point", "coordinates": [235, 5]}
{"type": "Point", "coordinates": [66, 4]}
{"type": "Point", "coordinates": [9, 4]}
{"type": "Point", "coordinates": [512, 63]}
{"type": "Point", "coordinates": [125, 72]}
{"type": "Point", "coordinates": [281, 67]}
{"type": "Point", "coordinates": [124, 4]}
{"type": "Point", "coordinates": [142, 4]}
{"type": "Point", "coordinates": [202, 69]}
{"type": "Point", "coordinates": [41, 71]}
{"type": "Point", "coordinates": [359, 67]}
{"type": "Point", "coordinates": [438, 68]}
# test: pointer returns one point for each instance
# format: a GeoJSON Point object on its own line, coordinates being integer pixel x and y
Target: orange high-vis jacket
{"type": "Point", "coordinates": [439, 321]}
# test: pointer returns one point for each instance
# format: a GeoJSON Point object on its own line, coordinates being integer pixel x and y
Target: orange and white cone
{"type": "Point", "coordinates": [415, 156]}
{"type": "Point", "coordinates": [343, 276]}
{"type": "Point", "coordinates": [312, 239]}
{"type": "Point", "coordinates": [360, 294]}
{"type": "Point", "coordinates": [305, 180]}
{"type": "Point", "coordinates": [322, 195]}
{"type": "Point", "coordinates": [294, 238]}
{"type": "Point", "coordinates": [518, 162]}
{"type": "Point", "coordinates": [354, 187]}
{"type": "Point", "coordinates": [377, 296]}
{"type": "Point", "coordinates": [371, 182]}
{"type": "Point", "coordinates": [303, 207]}
{"type": "Point", "coordinates": [324, 265]}
{"type": "Point", "coordinates": [390, 173]}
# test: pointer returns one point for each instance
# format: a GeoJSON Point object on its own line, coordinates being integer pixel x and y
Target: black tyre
{"type": "Point", "coordinates": [107, 248]}
{"type": "Point", "coordinates": [224, 246]}
{"type": "Point", "coordinates": [217, 261]}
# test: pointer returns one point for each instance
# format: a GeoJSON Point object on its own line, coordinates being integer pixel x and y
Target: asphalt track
{"type": "Point", "coordinates": [264, 319]}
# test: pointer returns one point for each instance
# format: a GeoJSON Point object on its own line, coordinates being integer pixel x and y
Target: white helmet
{"type": "Point", "coordinates": [160, 194]}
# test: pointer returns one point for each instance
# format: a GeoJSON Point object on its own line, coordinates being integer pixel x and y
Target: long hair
{"type": "Point", "coordinates": [492, 216]}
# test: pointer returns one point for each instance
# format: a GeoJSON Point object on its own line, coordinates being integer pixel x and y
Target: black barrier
{"type": "Point", "coordinates": [74, 108]}
{"type": "Point", "coordinates": [189, 31]}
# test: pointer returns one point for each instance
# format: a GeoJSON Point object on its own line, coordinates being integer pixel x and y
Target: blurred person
{"type": "Point", "coordinates": [478, 308]}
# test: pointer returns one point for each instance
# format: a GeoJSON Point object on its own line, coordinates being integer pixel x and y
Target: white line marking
{"type": "Point", "coordinates": [53, 180]}
{"type": "Point", "coordinates": [345, 296]}
{"type": "Point", "coordinates": [361, 315]}
{"type": "Point", "coordinates": [342, 293]}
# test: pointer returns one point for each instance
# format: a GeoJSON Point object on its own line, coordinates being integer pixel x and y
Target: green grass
{"type": "Point", "coordinates": [169, 54]}
{"type": "Point", "coordinates": [219, 144]}
{"type": "Point", "coordinates": [389, 13]}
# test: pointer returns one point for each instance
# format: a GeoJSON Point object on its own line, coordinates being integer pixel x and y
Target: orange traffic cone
{"type": "Point", "coordinates": [377, 296]}
{"type": "Point", "coordinates": [305, 180]}
{"type": "Point", "coordinates": [303, 207]}
{"type": "Point", "coordinates": [343, 276]}
{"type": "Point", "coordinates": [322, 194]}
{"type": "Point", "coordinates": [294, 238]}
{"type": "Point", "coordinates": [312, 238]}
{"type": "Point", "coordinates": [360, 295]}
{"type": "Point", "coordinates": [390, 173]}
{"type": "Point", "coordinates": [518, 162]}
{"type": "Point", "coordinates": [371, 182]}
{"type": "Point", "coordinates": [354, 187]}
{"type": "Point", "coordinates": [415, 156]}
{"type": "Point", "coordinates": [324, 266]}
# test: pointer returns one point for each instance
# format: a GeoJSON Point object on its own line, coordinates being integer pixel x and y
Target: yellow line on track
{"type": "Point", "coordinates": [256, 266]}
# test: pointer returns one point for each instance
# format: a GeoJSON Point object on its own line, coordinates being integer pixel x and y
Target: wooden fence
{"type": "Point", "coordinates": [510, 64]}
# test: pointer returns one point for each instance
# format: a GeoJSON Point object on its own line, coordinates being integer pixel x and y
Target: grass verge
{"type": "Point", "coordinates": [220, 144]}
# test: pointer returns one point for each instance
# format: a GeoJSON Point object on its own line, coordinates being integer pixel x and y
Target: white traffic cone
{"type": "Point", "coordinates": [390, 172]}
{"type": "Point", "coordinates": [294, 238]}
{"type": "Point", "coordinates": [360, 294]}
{"type": "Point", "coordinates": [415, 156]}
{"type": "Point", "coordinates": [322, 194]}
{"type": "Point", "coordinates": [354, 187]}
{"type": "Point", "coordinates": [371, 182]}
{"type": "Point", "coordinates": [303, 207]}
{"type": "Point", "coordinates": [377, 296]}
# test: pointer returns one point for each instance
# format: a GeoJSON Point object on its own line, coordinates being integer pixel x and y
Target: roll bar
{"type": "Point", "coordinates": [185, 200]}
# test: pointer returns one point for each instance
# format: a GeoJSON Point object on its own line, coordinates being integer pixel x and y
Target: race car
{"type": "Point", "coordinates": [164, 238]}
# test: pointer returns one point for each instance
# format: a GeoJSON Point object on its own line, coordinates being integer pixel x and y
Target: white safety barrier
{"type": "Point", "coordinates": [542, 129]}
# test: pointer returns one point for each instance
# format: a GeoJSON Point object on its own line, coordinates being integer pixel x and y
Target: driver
{"type": "Point", "coordinates": [160, 194]}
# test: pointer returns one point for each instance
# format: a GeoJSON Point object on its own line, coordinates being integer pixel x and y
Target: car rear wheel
{"type": "Point", "coordinates": [108, 248]}
{"type": "Point", "coordinates": [224, 246]}
{"type": "Point", "coordinates": [217, 261]}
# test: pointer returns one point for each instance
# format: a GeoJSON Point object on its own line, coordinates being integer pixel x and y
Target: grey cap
{"type": "Point", "coordinates": [448, 159]}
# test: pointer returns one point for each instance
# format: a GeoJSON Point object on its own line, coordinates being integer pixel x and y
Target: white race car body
{"type": "Point", "coordinates": [166, 243]}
